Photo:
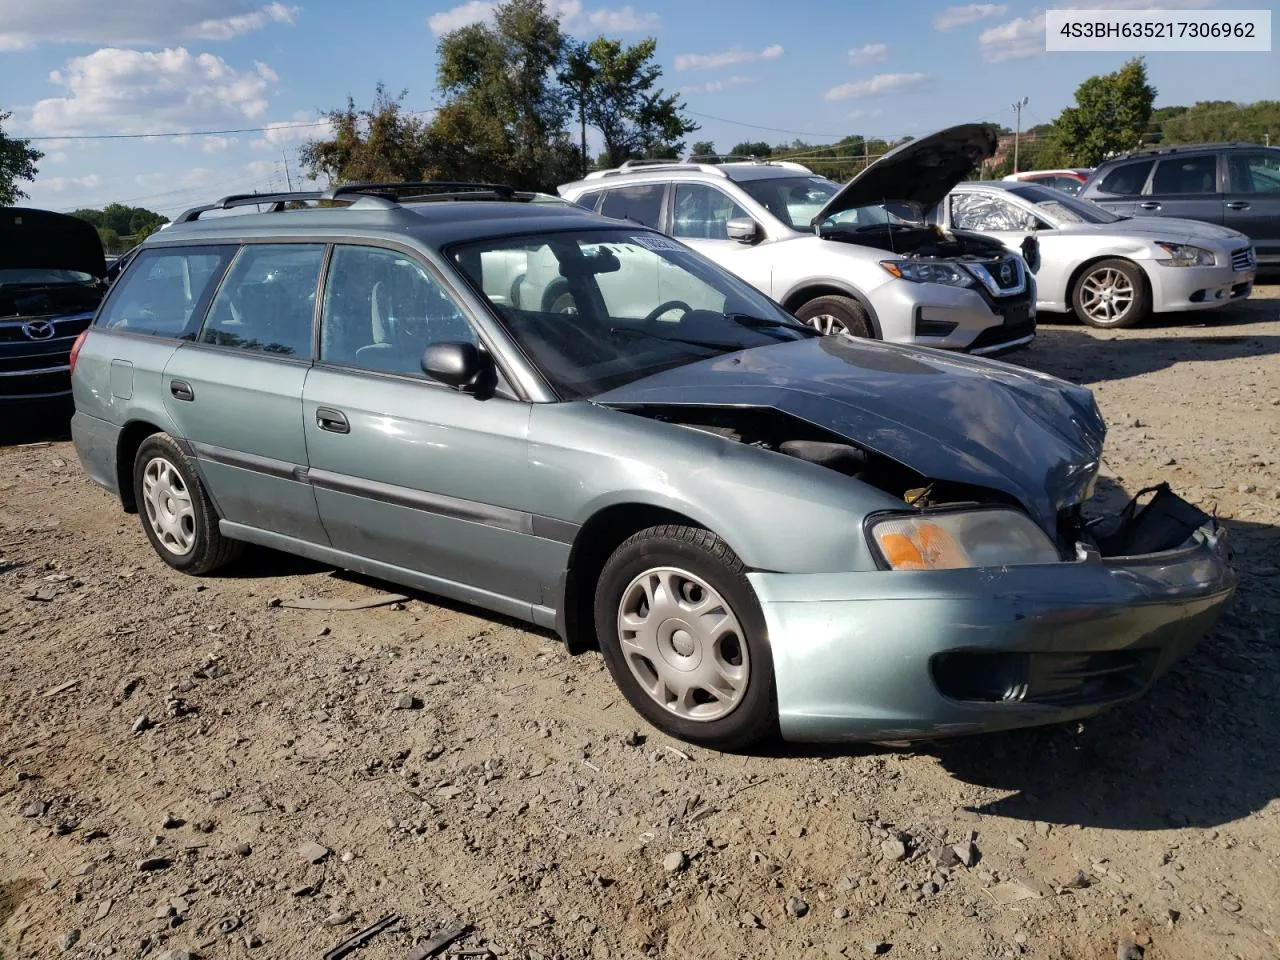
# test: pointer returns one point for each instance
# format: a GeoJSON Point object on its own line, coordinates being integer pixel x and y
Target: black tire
{"type": "Point", "coordinates": [209, 548]}
{"type": "Point", "coordinates": [831, 313]}
{"type": "Point", "coordinates": [557, 296]}
{"type": "Point", "coordinates": [1139, 305]}
{"type": "Point", "coordinates": [754, 720]}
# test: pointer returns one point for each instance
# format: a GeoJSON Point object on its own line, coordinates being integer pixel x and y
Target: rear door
{"type": "Point", "coordinates": [235, 393]}
{"type": "Point", "coordinates": [1184, 185]}
{"type": "Point", "coordinates": [1120, 188]}
{"type": "Point", "coordinates": [1253, 199]}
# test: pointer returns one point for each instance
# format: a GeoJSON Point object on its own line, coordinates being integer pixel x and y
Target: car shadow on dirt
{"type": "Point", "coordinates": [27, 422]}
{"type": "Point", "coordinates": [1073, 354]}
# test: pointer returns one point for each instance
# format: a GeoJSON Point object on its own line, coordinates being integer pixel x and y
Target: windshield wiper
{"type": "Point", "coordinates": [650, 335]}
{"type": "Point", "coordinates": [765, 323]}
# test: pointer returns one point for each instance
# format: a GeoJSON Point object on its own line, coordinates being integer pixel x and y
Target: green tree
{"type": "Point", "coordinates": [579, 74]}
{"type": "Point", "coordinates": [110, 240]}
{"type": "Point", "coordinates": [504, 115]}
{"type": "Point", "coordinates": [18, 161]}
{"type": "Point", "coordinates": [380, 144]}
{"type": "Point", "coordinates": [1111, 114]}
{"type": "Point", "coordinates": [703, 148]}
{"type": "Point", "coordinates": [633, 115]}
{"type": "Point", "coordinates": [134, 223]}
{"type": "Point", "coordinates": [747, 149]}
{"type": "Point", "coordinates": [1211, 121]}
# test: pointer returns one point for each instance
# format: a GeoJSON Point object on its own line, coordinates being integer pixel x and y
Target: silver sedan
{"type": "Point", "coordinates": [1111, 271]}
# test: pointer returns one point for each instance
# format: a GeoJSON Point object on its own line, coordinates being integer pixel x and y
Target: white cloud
{"type": "Point", "coordinates": [303, 126]}
{"type": "Point", "coordinates": [1024, 37]}
{"type": "Point", "coordinates": [713, 61]}
{"type": "Point", "coordinates": [965, 14]}
{"type": "Point", "coordinates": [715, 86]}
{"type": "Point", "coordinates": [881, 85]}
{"type": "Point", "coordinates": [869, 53]}
{"type": "Point", "coordinates": [225, 28]}
{"type": "Point", "coordinates": [59, 184]}
{"type": "Point", "coordinates": [126, 22]}
{"type": "Point", "coordinates": [263, 169]}
{"type": "Point", "coordinates": [217, 144]}
{"type": "Point", "coordinates": [572, 14]}
{"type": "Point", "coordinates": [133, 91]}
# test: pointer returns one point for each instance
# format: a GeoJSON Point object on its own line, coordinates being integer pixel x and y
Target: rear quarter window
{"type": "Point", "coordinates": [165, 291]}
{"type": "Point", "coordinates": [1126, 180]}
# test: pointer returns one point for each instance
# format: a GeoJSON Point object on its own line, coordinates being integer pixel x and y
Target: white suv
{"type": "Point", "coordinates": [862, 259]}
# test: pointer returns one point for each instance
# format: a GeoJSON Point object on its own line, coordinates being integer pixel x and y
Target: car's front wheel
{"type": "Point", "coordinates": [1111, 293]}
{"type": "Point", "coordinates": [177, 515]}
{"type": "Point", "coordinates": [831, 315]}
{"type": "Point", "coordinates": [684, 638]}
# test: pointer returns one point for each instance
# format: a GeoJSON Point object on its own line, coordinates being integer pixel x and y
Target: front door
{"type": "Point", "coordinates": [406, 471]}
{"type": "Point", "coordinates": [700, 218]}
{"type": "Point", "coordinates": [236, 393]}
{"type": "Point", "coordinates": [1185, 186]}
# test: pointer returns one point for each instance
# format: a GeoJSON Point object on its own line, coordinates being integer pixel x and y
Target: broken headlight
{"type": "Point", "coordinates": [948, 540]}
{"type": "Point", "coordinates": [919, 271]}
{"type": "Point", "coordinates": [1185, 255]}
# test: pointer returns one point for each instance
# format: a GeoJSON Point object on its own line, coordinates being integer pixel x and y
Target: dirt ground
{"type": "Point", "coordinates": [301, 774]}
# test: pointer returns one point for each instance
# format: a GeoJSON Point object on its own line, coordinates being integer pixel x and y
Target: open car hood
{"type": "Point", "coordinates": [920, 172]}
{"type": "Point", "coordinates": [43, 240]}
{"type": "Point", "coordinates": [948, 417]}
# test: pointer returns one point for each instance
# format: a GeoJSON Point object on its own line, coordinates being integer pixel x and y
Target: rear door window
{"type": "Point", "coordinates": [641, 203]}
{"type": "Point", "coordinates": [165, 290]}
{"type": "Point", "coordinates": [1183, 175]}
{"type": "Point", "coordinates": [1127, 179]}
{"type": "Point", "coordinates": [268, 300]}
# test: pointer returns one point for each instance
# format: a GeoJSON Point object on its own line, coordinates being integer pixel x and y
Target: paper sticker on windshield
{"type": "Point", "coordinates": [652, 242]}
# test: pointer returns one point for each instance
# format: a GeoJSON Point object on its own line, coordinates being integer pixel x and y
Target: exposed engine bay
{"type": "Point", "coordinates": [916, 240]}
{"type": "Point", "coordinates": [1165, 522]}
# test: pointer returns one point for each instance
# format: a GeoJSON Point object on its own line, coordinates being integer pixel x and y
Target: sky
{"type": "Point", "coordinates": [72, 71]}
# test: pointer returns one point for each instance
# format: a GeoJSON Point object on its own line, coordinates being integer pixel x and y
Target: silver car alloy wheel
{"type": "Point", "coordinates": [1107, 295]}
{"type": "Point", "coordinates": [167, 502]}
{"type": "Point", "coordinates": [683, 644]}
{"type": "Point", "coordinates": [828, 325]}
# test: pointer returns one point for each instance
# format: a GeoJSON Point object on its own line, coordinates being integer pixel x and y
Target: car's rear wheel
{"type": "Point", "coordinates": [833, 314]}
{"type": "Point", "coordinates": [684, 638]}
{"type": "Point", "coordinates": [1111, 293]}
{"type": "Point", "coordinates": [176, 513]}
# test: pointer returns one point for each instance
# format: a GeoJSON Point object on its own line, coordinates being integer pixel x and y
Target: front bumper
{"type": "Point", "coordinates": [1176, 289]}
{"type": "Point", "coordinates": [34, 368]}
{"type": "Point", "coordinates": [955, 318]}
{"type": "Point", "coordinates": [867, 656]}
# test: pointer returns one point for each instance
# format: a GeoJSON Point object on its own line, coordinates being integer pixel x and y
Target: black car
{"type": "Point", "coordinates": [1234, 184]}
{"type": "Point", "coordinates": [52, 276]}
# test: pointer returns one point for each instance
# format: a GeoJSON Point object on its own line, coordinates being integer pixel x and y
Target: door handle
{"type": "Point", "coordinates": [181, 390]}
{"type": "Point", "coordinates": [1149, 205]}
{"type": "Point", "coordinates": [334, 421]}
{"type": "Point", "coordinates": [1237, 204]}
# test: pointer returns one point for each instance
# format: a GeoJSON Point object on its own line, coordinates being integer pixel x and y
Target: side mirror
{"type": "Point", "coordinates": [743, 229]}
{"type": "Point", "coordinates": [457, 364]}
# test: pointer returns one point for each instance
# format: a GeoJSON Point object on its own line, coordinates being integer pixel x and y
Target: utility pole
{"type": "Point", "coordinates": [287, 179]}
{"type": "Point", "coordinates": [1017, 129]}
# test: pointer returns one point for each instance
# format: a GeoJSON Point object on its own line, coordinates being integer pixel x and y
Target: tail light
{"type": "Point", "coordinates": [75, 349]}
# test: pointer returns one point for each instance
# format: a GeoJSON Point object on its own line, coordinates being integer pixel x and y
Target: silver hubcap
{"type": "Point", "coordinates": [168, 504]}
{"type": "Point", "coordinates": [565, 303]}
{"type": "Point", "coordinates": [1107, 295]}
{"type": "Point", "coordinates": [828, 325]}
{"type": "Point", "coordinates": [682, 642]}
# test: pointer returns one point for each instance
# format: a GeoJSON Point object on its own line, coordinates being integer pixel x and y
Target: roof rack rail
{"type": "Point", "coordinates": [653, 166]}
{"type": "Point", "coordinates": [1182, 147]}
{"type": "Point", "coordinates": [723, 158]}
{"type": "Point", "coordinates": [277, 201]}
{"type": "Point", "coordinates": [455, 187]}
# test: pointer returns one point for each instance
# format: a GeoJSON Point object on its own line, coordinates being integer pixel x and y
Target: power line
{"type": "Point", "coordinates": [183, 133]}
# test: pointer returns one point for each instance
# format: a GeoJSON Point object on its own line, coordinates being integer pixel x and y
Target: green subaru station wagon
{"type": "Point", "coordinates": [582, 423]}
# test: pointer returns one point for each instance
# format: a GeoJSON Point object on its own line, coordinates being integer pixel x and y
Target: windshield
{"type": "Point", "coordinates": [1062, 208]}
{"type": "Point", "coordinates": [594, 310]}
{"type": "Point", "coordinates": [793, 200]}
{"type": "Point", "coordinates": [42, 275]}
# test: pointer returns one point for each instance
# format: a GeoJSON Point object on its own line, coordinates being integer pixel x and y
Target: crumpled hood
{"type": "Point", "coordinates": [946, 416]}
{"type": "Point", "coordinates": [920, 172]}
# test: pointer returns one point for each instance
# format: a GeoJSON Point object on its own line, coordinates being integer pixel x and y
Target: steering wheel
{"type": "Point", "coordinates": [662, 308]}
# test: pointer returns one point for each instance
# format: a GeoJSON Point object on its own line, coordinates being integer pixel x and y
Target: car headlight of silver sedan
{"type": "Point", "coordinates": [920, 272]}
{"type": "Point", "coordinates": [953, 539]}
{"type": "Point", "coordinates": [1185, 255]}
